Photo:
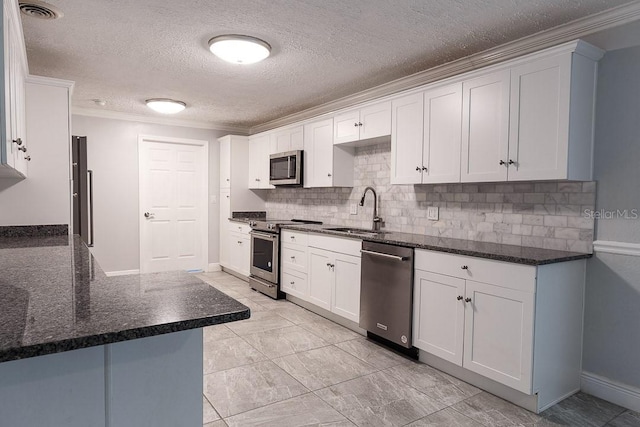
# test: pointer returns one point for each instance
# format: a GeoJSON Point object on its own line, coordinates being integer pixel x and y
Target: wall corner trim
{"type": "Point", "coordinates": [618, 248]}
{"type": "Point", "coordinates": [121, 273]}
{"type": "Point", "coordinates": [214, 266]}
{"type": "Point", "coordinates": [611, 391]}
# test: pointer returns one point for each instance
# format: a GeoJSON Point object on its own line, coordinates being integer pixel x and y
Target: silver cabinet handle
{"type": "Point", "coordinates": [23, 148]}
{"type": "Point", "coordinates": [328, 174]}
{"type": "Point", "coordinates": [148, 214]}
{"type": "Point", "coordinates": [239, 242]}
{"type": "Point", "coordinates": [465, 267]}
{"type": "Point", "coordinates": [418, 169]}
{"type": "Point", "coordinates": [396, 257]}
{"type": "Point", "coordinates": [18, 141]}
{"type": "Point", "coordinates": [27, 158]}
{"type": "Point", "coordinates": [467, 300]}
{"type": "Point", "coordinates": [460, 297]}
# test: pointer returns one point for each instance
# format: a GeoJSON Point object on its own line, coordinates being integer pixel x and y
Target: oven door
{"type": "Point", "coordinates": [264, 255]}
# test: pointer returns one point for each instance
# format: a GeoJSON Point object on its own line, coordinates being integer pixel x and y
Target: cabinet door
{"type": "Point", "coordinates": [244, 253]}
{"type": "Point", "coordinates": [498, 335]}
{"type": "Point", "coordinates": [259, 149]}
{"type": "Point", "coordinates": [281, 141]}
{"type": "Point", "coordinates": [346, 127]}
{"type": "Point", "coordinates": [320, 277]}
{"type": "Point", "coordinates": [438, 315]}
{"type": "Point", "coordinates": [294, 284]}
{"type": "Point", "coordinates": [236, 252]}
{"type": "Point", "coordinates": [376, 120]}
{"type": "Point", "coordinates": [225, 162]}
{"type": "Point", "coordinates": [539, 128]}
{"type": "Point", "coordinates": [485, 128]}
{"type": "Point", "coordinates": [442, 134]}
{"type": "Point", "coordinates": [346, 287]}
{"type": "Point", "coordinates": [225, 213]}
{"type": "Point", "coordinates": [406, 139]}
{"type": "Point", "coordinates": [296, 138]}
{"type": "Point", "coordinates": [318, 152]}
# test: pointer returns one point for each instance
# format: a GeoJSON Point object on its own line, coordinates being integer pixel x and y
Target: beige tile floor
{"type": "Point", "coordinates": [286, 366]}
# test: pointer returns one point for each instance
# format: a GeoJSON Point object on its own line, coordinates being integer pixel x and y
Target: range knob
{"type": "Point", "coordinates": [252, 223]}
{"type": "Point", "coordinates": [271, 226]}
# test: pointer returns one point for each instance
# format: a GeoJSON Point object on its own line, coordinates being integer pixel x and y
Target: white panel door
{"type": "Point", "coordinates": [346, 127]}
{"type": "Point", "coordinates": [318, 154]}
{"type": "Point", "coordinates": [173, 195]}
{"type": "Point", "coordinates": [539, 129]}
{"type": "Point", "coordinates": [485, 128]}
{"type": "Point", "coordinates": [498, 335]}
{"type": "Point", "coordinates": [346, 287]}
{"type": "Point", "coordinates": [376, 120]}
{"type": "Point", "coordinates": [321, 277]}
{"type": "Point", "coordinates": [442, 134]}
{"type": "Point", "coordinates": [438, 317]}
{"type": "Point", "coordinates": [406, 139]}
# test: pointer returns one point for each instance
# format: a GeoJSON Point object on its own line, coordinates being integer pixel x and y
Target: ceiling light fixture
{"type": "Point", "coordinates": [165, 105]}
{"type": "Point", "coordinates": [239, 49]}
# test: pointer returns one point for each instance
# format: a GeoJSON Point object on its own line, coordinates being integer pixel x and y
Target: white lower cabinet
{"type": "Point", "coordinates": [518, 325]}
{"type": "Point", "coordinates": [236, 248]}
{"type": "Point", "coordinates": [320, 277]}
{"type": "Point", "coordinates": [322, 270]}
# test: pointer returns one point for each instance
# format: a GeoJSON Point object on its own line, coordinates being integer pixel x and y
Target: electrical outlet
{"type": "Point", "coordinates": [354, 209]}
{"type": "Point", "coordinates": [432, 213]}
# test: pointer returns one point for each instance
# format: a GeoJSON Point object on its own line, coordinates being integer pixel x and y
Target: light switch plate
{"type": "Point", "coordinates": [432, 213]}
{"type": "Point", "coordinates": [354, 209]}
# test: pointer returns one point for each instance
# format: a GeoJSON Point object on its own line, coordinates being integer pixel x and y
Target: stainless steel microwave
{"type": "Point", "coordinates": [286, 168]}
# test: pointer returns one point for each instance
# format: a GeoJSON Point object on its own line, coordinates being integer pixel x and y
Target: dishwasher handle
{"type": "Point", "coordinates": [396, 257]}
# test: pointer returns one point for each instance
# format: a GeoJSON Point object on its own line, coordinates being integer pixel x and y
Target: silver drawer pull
{"type": "Point", "coordinates": [396, 257]}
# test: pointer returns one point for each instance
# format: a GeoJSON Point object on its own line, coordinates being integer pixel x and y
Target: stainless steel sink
{"type": "Point", "coordinates": [356, 231]}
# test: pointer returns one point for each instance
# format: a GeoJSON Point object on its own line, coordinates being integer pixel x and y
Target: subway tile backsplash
{"type": "Point", "coordinates": [547, 214]}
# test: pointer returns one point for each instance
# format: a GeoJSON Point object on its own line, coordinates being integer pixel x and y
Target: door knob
{"type": "Point", "coordinates": [148, 214]}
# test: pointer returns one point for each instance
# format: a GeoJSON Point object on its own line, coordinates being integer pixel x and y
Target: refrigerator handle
{"type": "Point", "coordinates": [90, 175]}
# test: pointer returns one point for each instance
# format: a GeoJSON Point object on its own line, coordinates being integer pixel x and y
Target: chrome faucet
{"type": "Point", "coordinates": [377, 221]}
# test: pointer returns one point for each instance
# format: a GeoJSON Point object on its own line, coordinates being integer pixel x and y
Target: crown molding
{"type": "Point", "coordinates": [117, 115]}
{"type": "Point", "coordinates": [573, 30]}
{"type": "Point", "coordinates": [50, 81]}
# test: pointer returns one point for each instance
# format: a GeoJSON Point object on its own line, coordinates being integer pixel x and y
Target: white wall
{"type": "Point", "coordinates": [44, 197]}
{"type": "Point", "coordinates": [112, 154]}
{"type": "Point", "coordinates": [612, 313]}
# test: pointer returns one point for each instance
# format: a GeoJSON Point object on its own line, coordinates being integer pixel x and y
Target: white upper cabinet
{"type": "Point", "coordinates": [539, 119]}
{"type": "Point", "coordinates": [13, 141]}
{"type": "Point", "coordinates": [259, 148]}
{"type": "Point", "coordinates": [406, 139]}
{"type": "Point", "coordinates": [287, 139]}
{"type": "Point", "coordinates": [442, 134]}
{"type": "Point", "coordinates": [485, 131]}
{"type": "Point", "coordinates": [225, 162]}
{"type": "Point", "coordinates": [368, 122]}
{"type": "Point", "coordinates": [324, 164]}
{"type": "Point", "coordinates": [425, 137]}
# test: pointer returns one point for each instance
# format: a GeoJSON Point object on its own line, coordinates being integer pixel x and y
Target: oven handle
{"type": "Point", "coordinates": [263, 235]}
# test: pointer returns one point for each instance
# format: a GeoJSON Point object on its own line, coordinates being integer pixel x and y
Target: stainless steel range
{"type": "Point", "coordinates": [265, 255]}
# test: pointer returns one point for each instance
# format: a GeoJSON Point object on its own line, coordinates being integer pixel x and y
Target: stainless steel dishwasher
{"type": "Point", "coordinates": [386, 295]}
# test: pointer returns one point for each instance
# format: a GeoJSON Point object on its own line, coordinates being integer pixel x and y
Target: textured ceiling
{"type": "Point", "coordinates": [126, 51]}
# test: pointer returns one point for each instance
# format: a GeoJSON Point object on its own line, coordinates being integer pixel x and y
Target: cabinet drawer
{"type": "Point", "coordinates": [239, 227]}
{"type": "Point", "coordinates": [295, 284]}
{"type": "Point", "coordinates": [508, 275]}
{"type": "Point", "coordinates": [336, 244]}
{"type": "Point", "coordinates": [294, 237]}
{"type": "Point", "coordinates": [294, 258]}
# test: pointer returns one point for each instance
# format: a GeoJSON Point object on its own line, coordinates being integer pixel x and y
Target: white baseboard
{"type": "Point", "coordinates": [121, 273]}
{"type": "Point", "coordinates": [214, 266]}
{"type": "Point", "coordinates": [612, 391]}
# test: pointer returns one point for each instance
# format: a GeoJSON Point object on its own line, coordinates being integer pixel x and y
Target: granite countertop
{"type": "Point", "coordinates": [494, 251]}
{"type": "Point", "coordinates": [54, 297]}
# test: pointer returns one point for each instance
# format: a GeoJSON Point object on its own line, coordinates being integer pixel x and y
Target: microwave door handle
{"type": "Point", "coordinates": [288, 166]}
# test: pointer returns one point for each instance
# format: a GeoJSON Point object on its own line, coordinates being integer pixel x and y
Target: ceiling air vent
{"type": "Point", "coordinates": [40, 10]}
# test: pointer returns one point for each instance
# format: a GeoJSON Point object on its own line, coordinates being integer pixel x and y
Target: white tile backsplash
{"type": "Point", "coordinates": [545, 214]}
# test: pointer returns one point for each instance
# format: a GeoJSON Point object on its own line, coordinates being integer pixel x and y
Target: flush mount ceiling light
{"type": "Point", "coordinates": [239, 49]}
{"type": "Point", "coordinates": [165, 105]}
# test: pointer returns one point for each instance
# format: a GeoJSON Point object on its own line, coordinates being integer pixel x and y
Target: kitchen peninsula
{"type": "Point", "coordinates": [78, 348]}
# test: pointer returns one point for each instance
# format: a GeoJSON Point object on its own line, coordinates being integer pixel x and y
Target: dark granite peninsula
{"type": "Point", "coordinates": [82, 349]}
